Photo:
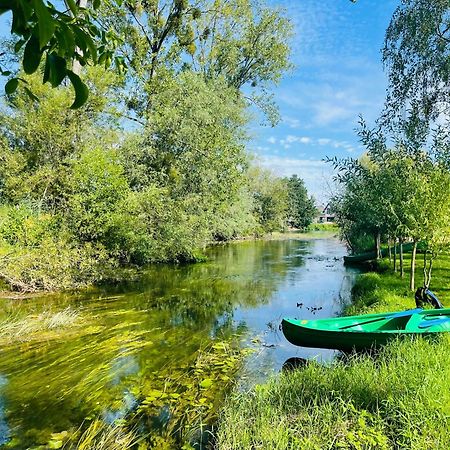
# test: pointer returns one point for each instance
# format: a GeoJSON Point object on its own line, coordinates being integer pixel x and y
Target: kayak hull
{"type": "Point", "coordinates": [366, 331]}
{"type": "Point", "coordinates": [370, 256]}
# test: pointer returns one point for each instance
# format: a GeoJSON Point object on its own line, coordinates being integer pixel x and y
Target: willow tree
{"type": "Point", "coordinates": [416, 55]}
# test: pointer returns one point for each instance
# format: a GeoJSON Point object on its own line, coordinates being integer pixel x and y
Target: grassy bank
{"type": "Point", "coordinates": [397, 400]}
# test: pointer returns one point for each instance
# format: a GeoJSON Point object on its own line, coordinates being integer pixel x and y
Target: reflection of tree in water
{"type": "Point", "coordinates": [135, 340]}
{"type": "Point", "coordinates": [243, 275]}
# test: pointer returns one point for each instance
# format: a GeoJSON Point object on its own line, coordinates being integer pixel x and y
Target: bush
{"type": "Point", "coordinates": [54, 265]}
{"type": "Point", "coordinates": [98, 187]}
{"type": "Point", "coordinates": [23, 225]}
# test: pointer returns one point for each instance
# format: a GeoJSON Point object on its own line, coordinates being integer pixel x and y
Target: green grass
{"type": "Point", "coordinates": [387, 291]}
{"type": "Point", "coordinates": [399, 399]}
{"type": "Point", "coordinates": [15, 328]}
{"type": "Point", "coordinates": [330, 226]}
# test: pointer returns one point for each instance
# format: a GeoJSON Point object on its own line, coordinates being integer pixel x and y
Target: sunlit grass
{"type": "Point", "coordinates": [99, 436]}
{"type": "Point", "coordinates": [399, 399]}
{"type": "Point", "coordinates": [17, 328]}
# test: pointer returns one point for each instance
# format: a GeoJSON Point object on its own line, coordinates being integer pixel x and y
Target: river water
{"type": "Point", "coordinates": [133, 331]}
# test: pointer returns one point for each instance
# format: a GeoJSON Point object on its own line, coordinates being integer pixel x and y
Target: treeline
{"type": "Point", "coordinates": [399, 190]}
{"type": "Point", "coordinates": [394, 196]}
{"type": "Point", "coordinates": [154, 166]}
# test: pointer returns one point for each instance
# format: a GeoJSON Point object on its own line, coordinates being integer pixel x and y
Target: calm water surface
{"type": "Point", "coordinates": [135, 330]}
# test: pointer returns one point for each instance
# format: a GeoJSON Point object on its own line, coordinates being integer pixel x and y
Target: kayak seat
{"type": "Point", "coordinates": [434, 322]}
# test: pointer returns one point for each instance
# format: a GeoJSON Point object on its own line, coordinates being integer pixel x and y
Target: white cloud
{"type": "Point", "coordinates": [317, 174]}
{"type": "Point", "coordinates": [272, 140]}
{"type": "Point", "coordinates": [291, 139]}
{"type": "Point", "coordinates": [291, 122]}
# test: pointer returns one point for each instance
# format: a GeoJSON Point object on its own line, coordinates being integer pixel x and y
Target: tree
{"type": "Point", "coordinates": [40, 140]}
{"type": "Point", "coordinates": [244, 42]}
{"type": "Point", "coordinates": [416, 55]}
{"type": "Point", "coordinates": [400, 193]}
{"type": "Point", "coordinates": [301, 208]}
{"type": "Point", "coordinates": [270, 200]}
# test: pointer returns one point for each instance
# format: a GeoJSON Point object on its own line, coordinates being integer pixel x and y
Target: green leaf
{"type": "Point", "coordinates": [55, 69]}
{"type": "Point", "coordinates": [66, 40]}
{"type": "Point", "coordinates": [206, 383]}
{"type": "Point", "coordinates": [32, 55]}
{"type": "Point", "coordinates": [73, 7]}
{"type": "Point", "coordinates": [96, 4]}
{"type": "Point", "coordinates": [18, 45]}
{"type": "Point", "coordinates": [31, 95]}
{"type": "Point", "coordinates": [85, 42]}
{"type": "Point", "coordinates": [46, 24]}
{"type": "Point", "coordinates": [11, 86]}
{"type": "Point", "coordinates": [81, 90]}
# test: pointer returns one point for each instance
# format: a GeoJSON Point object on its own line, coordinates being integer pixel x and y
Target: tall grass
{"type": "Point", "coordinates": [99, 436]}
{"type": "Point", "coordinates": [14, 328]}
{"type": "Point", "coordinates": [398, 400]}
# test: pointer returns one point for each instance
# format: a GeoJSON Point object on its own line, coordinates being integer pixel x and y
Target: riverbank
{"type": "Point", "coordinates": [399, 399]}
{"type": "Point", "coordinates": [32, 272]}
{"type": "Point", "coordinates": [158, 355]}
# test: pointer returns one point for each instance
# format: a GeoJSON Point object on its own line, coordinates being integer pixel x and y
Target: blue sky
{"type": "Point", "coordinates": [338, 75]}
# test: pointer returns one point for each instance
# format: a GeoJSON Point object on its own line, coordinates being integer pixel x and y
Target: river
{"type": "Point", "coordinates": [135, 332]}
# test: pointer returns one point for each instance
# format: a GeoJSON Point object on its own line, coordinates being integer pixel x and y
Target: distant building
{"type": "Point", "coordinates": [325, 215]}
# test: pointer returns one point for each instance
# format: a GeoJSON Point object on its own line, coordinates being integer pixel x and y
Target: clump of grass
{"type": "Point", "coordinates": [327, 226]}
{"type": "Point", "coordinates": [401, 399]}
{"type": "Point", "coordinates": [14, 328]}
{"type": "Point", "coordinates": [99, 436]}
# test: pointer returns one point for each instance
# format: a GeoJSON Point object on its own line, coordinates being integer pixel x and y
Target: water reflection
{"type": "Point", "coordinates": [137, 331]}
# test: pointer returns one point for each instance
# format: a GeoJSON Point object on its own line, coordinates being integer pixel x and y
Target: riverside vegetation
{"type": "Point", "coordinates": [398, 398]}
{"type": "Point", "coordinates": [154, 166]}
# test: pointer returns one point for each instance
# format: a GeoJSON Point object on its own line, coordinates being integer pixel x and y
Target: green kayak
{"type": "Point", "coordinates": [366, 331]}
{"type": "Point", "coordinates": [369, 256]}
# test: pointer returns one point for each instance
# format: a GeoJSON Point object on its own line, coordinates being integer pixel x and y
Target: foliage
{"type": "Point", "coordinates": [243, 42]}
{"type": "Point", "coordinates": [97, 187]}
{"type": "Point", "coordinates": [41, 30]}
{"type": "Point", "coordinates": [161, 191]}
{"type": "Point", "coordinates": [301, 208]}
{"type": "Point", "coordinates": [416, 54]}
{"type": "Point", "coordinates": [402, 194]}
{"type": "Point", "coordinates": [38, 142]}
{"type": "Point", "coordinates": [270, 199]}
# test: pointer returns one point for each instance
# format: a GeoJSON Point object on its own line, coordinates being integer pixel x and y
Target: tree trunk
{"type": "Point", "coordinates": [430, 268]}
{"type": "Point", "coordinates": [395, 255]}
{"type": "Point", "coordinates": [389, 249]}
{"type": "Point", "coordinates": [413, 266]}
{"type": "Point", "coordinates": [425, 282]}
{"type": "Point", "coordinates": [378, 244]}
{"type": "Point", "coordinates": [402, 271]}
{"type": "Point", "coordinates": [76, 66]}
